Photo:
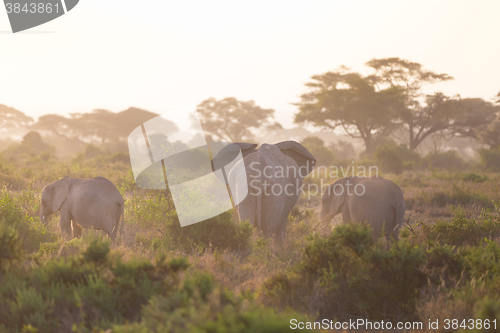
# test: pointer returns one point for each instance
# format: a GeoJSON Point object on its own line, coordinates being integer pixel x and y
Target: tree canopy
{"type": "Point", "coordinates": [10, 117]}
{"type": "Point", "coordinates": [232, 120]}
{"type": "Point", "coordinates": [374, 105]}
{"type": "Point", "coordinates": [350, 101]}
{"type": "Point", "coordinates": [102, 125]}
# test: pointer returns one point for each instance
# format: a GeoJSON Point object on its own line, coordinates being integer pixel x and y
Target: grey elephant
{"type": "Point", "coordinates": [89, 203]}
{"type": "Point", "coordinates": [271, 177]}
{"type": "Point", "coordinates": [375, 200]}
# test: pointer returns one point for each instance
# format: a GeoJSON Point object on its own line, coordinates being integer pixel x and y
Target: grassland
{"type": "Point", "coordinates": [221, 276]}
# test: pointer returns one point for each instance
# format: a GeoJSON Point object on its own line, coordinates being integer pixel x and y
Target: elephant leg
{"type": "Point", "coordinates": [272, 217]}
{"type": "Point", "coordinates": [346, 217]}
{"type": "Point", "coordinates": [280, 233]}
{"type": "Point", "coordinates": [65, 223]}
{"type": "Point", "coordinates": [246, 212]}
{"type": "Point", "coordinates": [77, 230]}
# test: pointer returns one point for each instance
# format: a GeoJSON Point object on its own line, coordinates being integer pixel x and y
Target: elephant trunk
{"type": "Point", "coordinates": [324, 216]}
{"type": "Point", "coordinates": [43, 218]}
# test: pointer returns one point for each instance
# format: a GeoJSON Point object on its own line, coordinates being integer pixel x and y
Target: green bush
{"type": "Point", "coordinates": [30, 231]}
{"type": "Point", "coordinates": [120, 157]}
{"type": "Point", "coordinates": [447, 160]}
{"type": "Point", "coordinates": [459, 196]}
{"type": "Point", "coordinates": [92, 151]}
{"type": "Point", "coordinates": [490, 158]}
{"type": "Point", "coordinates": [388, 159]}
{"type": "Point", "coordinates": [324, 156]}
{"type": "Point", "coordinates": [411, 159]}
{"type": "Point", "coordinates": [9, 246]}
{"type": "Point", "coordinates": [463, 231]}
{"type": "Point", "coordinates": [93, 292]}
{"type": "Point", "coordinates": [349, 276]}
{"type": "Point", "coordinates": [474, 178]}
{"type": "Point", "coordinates": [158, 316]}
{"type": "Point", "coordinates": [219, 232]}
{"type": "Point", "coordinates": [488, 310]}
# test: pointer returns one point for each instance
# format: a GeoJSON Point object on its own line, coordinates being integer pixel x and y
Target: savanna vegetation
{"type": "Point", "coordinates": [223, 276]}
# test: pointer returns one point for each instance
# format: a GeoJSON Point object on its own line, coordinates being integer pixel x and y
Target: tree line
{"type": "Point", "coordinates": [370, 106]}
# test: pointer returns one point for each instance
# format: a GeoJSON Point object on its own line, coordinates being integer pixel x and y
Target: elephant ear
{"type": "Point", "coordinates": [60, 190]}
{"type": "Point", "coordinates": [227, 154]}
{"type": "Point", "coordinates": [303, 157]}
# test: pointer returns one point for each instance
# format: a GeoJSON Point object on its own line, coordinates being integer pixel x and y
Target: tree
{"type": "Point", "coordinates": [103, 125]}
{"type": "Point", "coordinates": [32, 144]}
{"type": "Point", "coordinates": [232, 120]}
{"type": "Point", "coordinates": [352, 102]}
{"type": "Point", "coordinates": [99, 123]}
{"type": "Point", "coordinates": [419, 120]}
{"type": "Point", "coordinates": [10, 117]}
{"type": "Point", "coordinates": [489, 133]}
{"type": "Point", "coordinates": [58, 125]}
{"type": "Point", "coordinates": [316, 146]}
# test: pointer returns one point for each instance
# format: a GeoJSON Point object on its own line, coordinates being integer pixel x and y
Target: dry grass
{"type": "Point", "coordinates": [245, 272]}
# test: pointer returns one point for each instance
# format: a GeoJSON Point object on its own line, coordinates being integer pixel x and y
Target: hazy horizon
{"type": "Point", "coordinates": [117, 54]}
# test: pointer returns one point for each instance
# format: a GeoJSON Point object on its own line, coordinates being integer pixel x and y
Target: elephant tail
{"type": "Point", "coordinates": [258, 215]}
{"type": "Point", "coordinates": [402, 211]}
{"type": "Point", "coordinates": [121, 208]}
{"type": "Point", "coordinates": [399, 216]}
{"type": "Point", "coordinates": [123, 217]}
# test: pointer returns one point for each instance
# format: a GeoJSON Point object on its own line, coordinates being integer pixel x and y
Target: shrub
{"type": "Point", "coordinates": [490, 158]}
{"type": "Point", "coordinates": [92, 151]}
{"type": "Point", "coordinates": [348, 276]}
{"type": "Point", "coordinates": [30, 231]}
{"type": "Point", "coordinates": [208, 317]}
{"type": "Point", "coordinates": [12, 182]}
{"type": "Point", "coordinates": [317, 147]}
{"type": "Point", "coordinates": [474, 178]}
{"type": "Point", "coordinates": [97, 251]}
{"type": "Point", "coordinates": [463, 231]}
{"type": "Point", "coordinates": [488, 310]}
{"type": "Point", "coordinates": [447, 160]}
{"type": "Point", "coordinates": [459, 196]}
{"type": "Point", "coordinates": [91, 294]}
{"type": "Point", "coordinates": [9, 246]}
{"type": "Point", "coordinates": [389, 160]}
{"type": "Point", "coordinates": [120, 157]}
{"type": "Point", "coordinates": [219, 232]}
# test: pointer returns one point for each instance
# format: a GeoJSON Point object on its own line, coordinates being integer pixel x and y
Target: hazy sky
{"type": "Point", "coordinates": [162, 55]}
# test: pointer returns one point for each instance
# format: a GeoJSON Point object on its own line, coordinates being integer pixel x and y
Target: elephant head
{"type": "Point", "coordinates": [304, 159]}
{"type": "Point", "coordinates": [333, 199]}
{"type": "Point", "coordinates": [53, 196]}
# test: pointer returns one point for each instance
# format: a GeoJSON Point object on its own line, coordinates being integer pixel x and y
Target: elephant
{"type": "Point", "coordinates": [89, 203]}
{"type": "Point", "coordinates": [375, 200]}
{"type": "Point", "coordinates": [272, 177]}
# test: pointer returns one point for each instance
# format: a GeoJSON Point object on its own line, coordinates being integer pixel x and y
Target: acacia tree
{"type": "Point", "coordinates": [490, 133]}
{"type": "Point", "coordinates": [347, 100]}
{"type": "Point", "coordinates": [10, 117]}
{"type": "Point", "coordinates": [99, 123]}
{"type": "Point", "coordinates": [103, 125]}
{"type": "Point", "coordinates": [58, 125]}
{"type": "Point", "coordinates": [232, 120]}
{"type": "Point", "coordinates": [419, 119]}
